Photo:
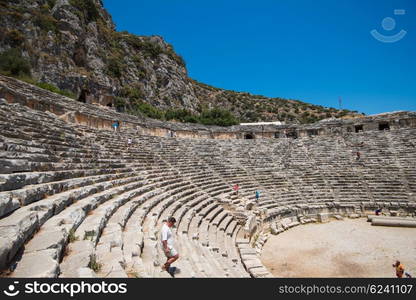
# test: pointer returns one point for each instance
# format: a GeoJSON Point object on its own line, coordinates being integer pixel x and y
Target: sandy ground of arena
{"type": "Point", "coordinates": [347, 248]}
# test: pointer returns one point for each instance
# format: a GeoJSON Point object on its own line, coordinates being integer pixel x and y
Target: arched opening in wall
{"type": "Point", "coordinates": [404, 123]}
{"type": "Point", "coordinates": [358, 128]}
{"type": "Point", "coordinates": [83, 96]}
{"type": "Point", "coordinates": [349, 129]}
{"type": "Point", "coordinates": [249, 136]}
{"type": "Point", "coordinates": [312, 132]}
{"type": "Point", "coordinates": [384, 126]}
{"type": "Point", "coordinates": [277, 135]}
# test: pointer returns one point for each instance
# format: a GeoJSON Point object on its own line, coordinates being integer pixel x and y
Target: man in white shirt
{"type": "Point", "coordinates": [168, 244]}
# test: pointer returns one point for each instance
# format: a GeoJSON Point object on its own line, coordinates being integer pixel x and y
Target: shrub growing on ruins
{"type": "Point", "coordinates": [150, 49]}
{"type": "Point", "coordinates": [94, 264]}
{"type": "Point", "coordinates": [89, 235]}
{"type": "Point", "coordinates": [148, 110]}
{"type": "Point", "coordinates": [120, 103]}
{"type": "Point", "coordinates": [51, 3]}
{"type": "Point", "coordinates": [12, 63]}
{"type": "Point", "coordinates": [72, 237]}
{"type": "Point", "coordinates": [132, 93]}
{"type": "Point", "coordinates": [46, 22]}
{"type": "Point", "coordinates": [114, 67]}
{"type": "Point", "coordinates": [14, 38]}
{"type": "Point", "coordinates": [54, 89]}
{"type": "Point", "coordinates": [218, 116]}
{"type": "Point", "coordinates": [182, 115]}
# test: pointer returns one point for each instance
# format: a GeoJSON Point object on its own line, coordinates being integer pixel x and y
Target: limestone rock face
{"type": "Point", "coordinates": [74, 45]}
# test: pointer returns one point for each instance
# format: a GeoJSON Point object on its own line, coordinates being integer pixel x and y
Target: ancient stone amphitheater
{"type": "Point", "coordinates": [76, 201]}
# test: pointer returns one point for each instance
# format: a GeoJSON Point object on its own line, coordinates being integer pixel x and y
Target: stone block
{"type": "Point", "coordinates": [40, 264]}
{"type": "Point", "coordinates": [323, 218]}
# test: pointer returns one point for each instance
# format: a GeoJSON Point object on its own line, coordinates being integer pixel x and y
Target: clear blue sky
{"type": "Point", "coordinates": [311, 50]}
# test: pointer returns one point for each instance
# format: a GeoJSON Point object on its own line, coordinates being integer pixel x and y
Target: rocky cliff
{"type": "Point", "coordinates": [73, 45]}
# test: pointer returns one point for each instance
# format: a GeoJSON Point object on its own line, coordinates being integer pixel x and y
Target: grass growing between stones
{"type": "Point", "coordinates": [72, 237]}
{"type": "Point", "coordinates": [89, 235]}
{"type": "Point", "coordinates": [94, 264]}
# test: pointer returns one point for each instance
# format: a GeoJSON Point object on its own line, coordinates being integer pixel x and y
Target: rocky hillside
{"type": "Point", "coordinates": [72, 47]}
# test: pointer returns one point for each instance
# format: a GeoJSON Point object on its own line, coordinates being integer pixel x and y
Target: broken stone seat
{"type": "Point", "coordinates": [20, 225]}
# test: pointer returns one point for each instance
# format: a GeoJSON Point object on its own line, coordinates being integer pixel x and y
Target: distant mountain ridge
{"type": "Point", "coordinates": [73, 45]}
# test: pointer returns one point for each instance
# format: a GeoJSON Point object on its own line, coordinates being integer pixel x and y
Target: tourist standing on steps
{"type": "Point", "coordinates": [257, 196]}
{"type": "Point", "coordinates": [399, 269]}
{"type": "Point", "coordinates": [358, 155]}
{"type": "Point", "coordinates": [116, 125]}
{"type": "Point", "coordinates": [236, 187]}
{"type": "Point", "coordinates": [168, 245]}
{"type": "Point", "coordinates": [129, 142]}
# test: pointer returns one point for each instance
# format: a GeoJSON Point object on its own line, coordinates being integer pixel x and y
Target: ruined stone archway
{"type": "Point", "coordinates": [83, 96]}
{"type": "Point", "coordinates": [249, 136]}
